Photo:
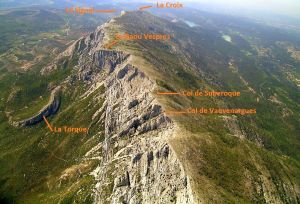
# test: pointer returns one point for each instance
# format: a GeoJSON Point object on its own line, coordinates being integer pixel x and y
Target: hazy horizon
{"type": "Point", "coordinates": [289, 8]}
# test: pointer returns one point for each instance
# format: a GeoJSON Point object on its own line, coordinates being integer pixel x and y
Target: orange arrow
{"type": "Point", "coordinates": [145, 7]}
{"type": "Point", "coordinates": [176, 112]}
{"type": "Point", "coordinates": [48, 124]}
{"type": "Point", "coordinates": [106, 11]}
{"type": "Point", "coordinates": [167, 93]}
{"type": "Point", "coordinates": [111, 44]}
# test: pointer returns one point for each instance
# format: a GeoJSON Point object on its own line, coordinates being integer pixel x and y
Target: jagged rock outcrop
{"type": "Point", "coordinates": [138, 165]}
{"type": "Point", "coordinates": [102, 61]}
{"type": "Point", "coordinates": [136, 149]}
{"type": "Point", "coordinates": [50, 109]}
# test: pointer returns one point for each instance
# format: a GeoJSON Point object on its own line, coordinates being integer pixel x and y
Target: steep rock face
{"type": "Point", "coordinates": [102, 61]}
{"type": "Point", "coordinates": [50, 109]}
{"type": "Point", "coordinates": [139, 165]}
{"type": "Point", "coordinates": [87, 49]}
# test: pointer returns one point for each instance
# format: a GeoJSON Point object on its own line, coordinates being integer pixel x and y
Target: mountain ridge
{"type": "Point", "coordinates": [135, 151]}
{"type": "Point", "coordinates": [97, 65]}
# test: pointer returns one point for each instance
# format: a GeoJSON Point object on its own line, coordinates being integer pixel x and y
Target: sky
{"type": "Point", "coordinates": [285, 7]}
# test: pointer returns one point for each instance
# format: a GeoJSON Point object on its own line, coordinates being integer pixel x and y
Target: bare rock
{"type": "Point", "coordinates": [50, 109]}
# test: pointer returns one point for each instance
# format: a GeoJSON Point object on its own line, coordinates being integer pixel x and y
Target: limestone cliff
{"type": "Point", "coordinates": [144, 168]}
{"type": "Point", "coordinates": [50, 109]}
{"type": "Point", "coordinates": [137, 165]}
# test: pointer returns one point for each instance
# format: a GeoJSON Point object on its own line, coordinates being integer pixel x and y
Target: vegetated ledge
{"type": "Point", "coordinates": [49, 109]}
